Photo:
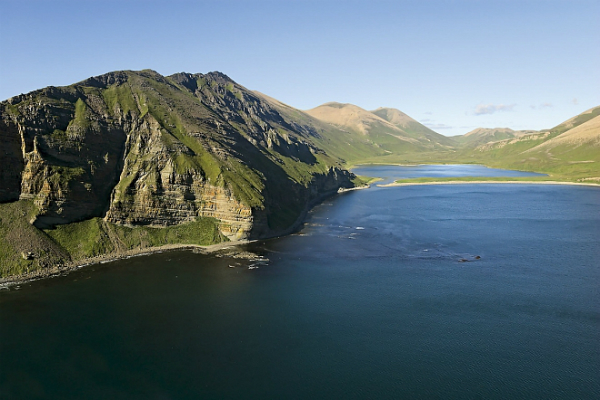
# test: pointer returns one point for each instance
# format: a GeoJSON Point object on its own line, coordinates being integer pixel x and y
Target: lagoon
{"type": "Point", "coordinates": [449, 292]}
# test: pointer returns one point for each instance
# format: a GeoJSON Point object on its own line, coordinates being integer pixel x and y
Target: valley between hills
{"type": "Point", "coordinates": [131, 161]}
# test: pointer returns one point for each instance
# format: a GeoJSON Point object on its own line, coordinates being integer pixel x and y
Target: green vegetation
{"type": "Point", "coordinates": [246, 184]}
{"type": "Point", "coordinates": [277, 163]}
{"type": "Point", "coordinates": [61, 176]}
{"type": "Point", "coordinates": [23, 247]}
{"type": "Point", "coordinates": [26, 249]}
{"type": "Point", "coordinates": [95, 236]}
{"type": "Point", "coordinates": [81, 114]}
{"type": "Point", "coordinates": [13, 109]}
{"type": "Point", "coordinates": [576, 121]}
{"type": "Point", "coordinates": [360, 180]}
{"type": "Point", "coordinates": [119, 96]}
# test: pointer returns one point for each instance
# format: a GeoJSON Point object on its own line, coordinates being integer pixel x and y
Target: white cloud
{"type": "Point", "coordinates": [483, 109]}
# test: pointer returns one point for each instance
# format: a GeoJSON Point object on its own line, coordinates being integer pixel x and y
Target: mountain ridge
{"type": "Point", "coordinates": [137, 149]}
{"type": "Point", "coordinates": [410, 135]}
{"type": "Point", "coordinates": [130, 160]}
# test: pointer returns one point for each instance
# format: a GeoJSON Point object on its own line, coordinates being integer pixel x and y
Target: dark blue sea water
{"type": "Point", "coordinates": [380, 296]}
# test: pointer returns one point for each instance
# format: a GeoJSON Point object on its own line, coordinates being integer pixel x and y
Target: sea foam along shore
{"type": "Point", "coordinates": [490, 182]}
{"type": "Point", "coordinates": [59, 270]}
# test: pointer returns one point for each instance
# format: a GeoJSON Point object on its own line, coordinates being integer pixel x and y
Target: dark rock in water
{"type": "Point", "coordinates": [463, 260]}
{"type": "Point", "coordinates": [478, 257]}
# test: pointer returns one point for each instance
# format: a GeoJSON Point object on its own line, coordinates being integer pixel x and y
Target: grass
{"type": "Point", "coordinates": [13, 109]}
{"type": "Point", "coordinates": [79, 240]}
{"type": "Point", "coordinates": [81, 114]}
{"type": "Point", "coordinates": [18, 238]}
{"type": "Point", "coordinates": [120, 97]}
{"type": "Point", "coordinates": [96, 237]}
{"type": "Point", "coordinates": [580, 119]}
{"type": "Point", "coordinates": [61, 176]}
{"type": "Point", "coordinates": [361, 180]}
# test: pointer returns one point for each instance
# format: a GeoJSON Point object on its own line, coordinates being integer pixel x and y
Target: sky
{"type": "Point", "coordinates": [451, 65]}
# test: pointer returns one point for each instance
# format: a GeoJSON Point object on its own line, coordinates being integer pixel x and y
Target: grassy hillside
{"type": "Point", "coordinates": [190, 153]}
{"type": "Point", "coordinates": [412, 128]}
{"type": "Point", "coordinates": [93, 168]}
{"type": "Point", "coordinates": [570, 151]}
{"type": "Point", "coordinates": [26, 249]}
{"type": "Point", "coordinates": [400, 135]}
{"type": "Point", "coordinates": [23, 247]}
{"type": "Point", "coordinates": [481, 136]}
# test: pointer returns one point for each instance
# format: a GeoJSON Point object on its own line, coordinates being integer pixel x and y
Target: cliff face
{"type": "Point", "coordinates": [137, 148]}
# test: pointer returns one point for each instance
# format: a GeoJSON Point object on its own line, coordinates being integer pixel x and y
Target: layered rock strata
{"type": "Point", "coordinates": [137, 148]}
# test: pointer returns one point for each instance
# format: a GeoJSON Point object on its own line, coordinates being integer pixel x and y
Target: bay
{"type": "Point", "coordinates": [453, 292]}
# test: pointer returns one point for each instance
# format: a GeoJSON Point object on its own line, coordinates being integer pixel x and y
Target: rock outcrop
{"type": "Point", "coordinates": [137, 148]}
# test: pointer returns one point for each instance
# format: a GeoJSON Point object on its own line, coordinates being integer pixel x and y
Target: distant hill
{"type": "Point", "coordinates": [480, 136]}
{"type": "Point", "coordinates": [387, 128]}
{"type": "Point", "coordinates": [577, 120]}
{"type": "Point", "coordinates": [132, 159]}
{"type": "Point", "coordinates": [583, 134]}
{"type": "Point", "coordinates": [334, 140]}
{"type": "Point", "coordinates": [411, 127]}
{"type": "Point", "coordinates": [570, 150]}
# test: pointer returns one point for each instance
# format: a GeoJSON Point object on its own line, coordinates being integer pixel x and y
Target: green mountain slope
{"type": "Point", "coordinates": [481, 136]}
{"type": "Point", "coordinates": [132, 159]}
{"type": "Point", "coordinates": [407, 137]}
{"type": "Point", "coordinates": [569, 151]}
{"type": "Point", "coordinates": [412, 127]}
{"type": "Point", "coordinates": [346, 145]}
{"type": "Point", "coordinates": [140, 150]}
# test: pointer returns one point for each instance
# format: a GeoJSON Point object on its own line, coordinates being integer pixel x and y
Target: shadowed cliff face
{"type": "Point", "coordinates": [137, 148]}
{"type": "Point", "coordinates": [12, 163]}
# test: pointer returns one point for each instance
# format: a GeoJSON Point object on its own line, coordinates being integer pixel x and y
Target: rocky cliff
{"type": "Point", "coordinates": [141, 149]}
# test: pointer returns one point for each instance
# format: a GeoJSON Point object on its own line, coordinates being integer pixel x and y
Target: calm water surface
{"type": "Point", "coordinates": [381, 295]}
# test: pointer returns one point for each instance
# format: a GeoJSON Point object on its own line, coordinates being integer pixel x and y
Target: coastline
{"type": "Point", "coordinates": [343, 190]}
{"type": "Point", "coordinates": [489, 182]}
{"type": "Point", "coordinates": [57, 270]}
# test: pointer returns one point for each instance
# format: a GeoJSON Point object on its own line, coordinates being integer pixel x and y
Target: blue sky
{"type": "Point", "coordinates": [452, 65]}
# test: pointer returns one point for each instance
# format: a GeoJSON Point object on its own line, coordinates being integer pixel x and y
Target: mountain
{"type": "Point", "coordinates": [569, 151]}
{"type": "Point", "coordinates": [411, 127]}
{"type": "Point", "coordinates": [398, 135]}
{"type": "Point", "coordinates": [348, 146]}
{"type": "Point", "coordinates": [113, 157]}
{"type": "Point", "coordinates": [481, 136]}
{"type": "Point", "coordinates": [132, 160]}
{"type": "Point", "coordinates": [576, 135]}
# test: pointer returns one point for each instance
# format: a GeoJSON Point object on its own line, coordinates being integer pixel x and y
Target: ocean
{"type": "Point", "coordinates": [472, 291]}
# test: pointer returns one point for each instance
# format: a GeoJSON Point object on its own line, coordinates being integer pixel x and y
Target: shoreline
{"type": "Point", "coordinates": [6, 283]}
{"type": "Point", "coordinates": [343, 190]}
{"type": "Point", "coordinates": [59, 270]}
{"type": "Point", "coordinates": [393, 184]}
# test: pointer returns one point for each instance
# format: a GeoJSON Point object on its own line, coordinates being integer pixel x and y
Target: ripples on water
{"type": "Point", "coordinates": [381, 295]}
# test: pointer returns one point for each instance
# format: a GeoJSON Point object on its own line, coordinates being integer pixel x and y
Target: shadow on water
{"type": "Point", "coordinates": [371, 299]}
